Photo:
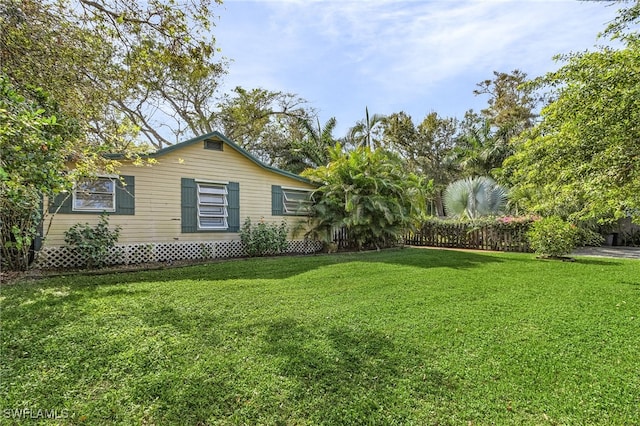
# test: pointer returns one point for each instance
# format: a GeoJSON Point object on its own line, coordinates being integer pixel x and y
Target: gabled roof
{"type": "Point", "coordinates": [219, 136]}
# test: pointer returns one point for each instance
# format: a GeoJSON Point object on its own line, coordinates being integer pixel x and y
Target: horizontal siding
{"type": "Point", "coordinates": [157, 203]}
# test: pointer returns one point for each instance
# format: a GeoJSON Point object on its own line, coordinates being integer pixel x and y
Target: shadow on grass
{"type": "Point", "coordinates": [597, 262]}
{"type": "Point", "coordinates": [349, 375]}
{"type": "Point", "coordinates": [273, 267]}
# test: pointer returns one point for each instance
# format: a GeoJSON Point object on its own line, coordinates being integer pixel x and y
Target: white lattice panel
{"type": "Point", "coordinates": [304, 247]}
{"type": "Point", "coordinates": [233, 248]}
{"type": "Point", "coordinates": [65, 258]}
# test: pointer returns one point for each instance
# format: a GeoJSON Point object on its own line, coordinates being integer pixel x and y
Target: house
{"type": "Point", "coordinates": [190, 204]}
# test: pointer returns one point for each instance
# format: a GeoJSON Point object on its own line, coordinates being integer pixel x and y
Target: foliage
{"type": "Point", "coordinates": [370, 193]}
{"type": "Point", "coordinates": [407, 336]}
{"type": "Point", "coordinates": [264, 238]}
{"type": "Point", "coordinates": [263, 122]}
{"type": "Point", "coordinates": [32, 152]}
{"type": "Point", "coordinates": [119, 67]}
{"type": "Point", "coordinates": [582, 161]}
{"type": "Point", "coordinates": [92, 243]}
{"type": "Point", "coordinates": [424, 147]}
{"type": "Point", "coordinates": [511, 102]}
{"type": "Point", "coordinates": [588, 237]}
{"type": "Point", "coordinates": [553, 237]}
{"type": "Point", "coordinates": [19, 219]}
{"type": "Point", "coordinates": [483, 141]}
{"type": "Point", "coordinates": [474, 197]}
{"type": "Point", "coordinates": [36, 141]}
{"type": "Point", "coordinates": [309, 150]}
{"type": "Point", "coordinates": [367, 132]}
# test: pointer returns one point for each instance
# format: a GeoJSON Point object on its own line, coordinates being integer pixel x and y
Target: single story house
{"type": "Point", "coordinates": [190, 204]}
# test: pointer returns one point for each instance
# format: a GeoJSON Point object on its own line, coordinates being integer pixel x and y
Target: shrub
{"type": "Point", "coordinates": [263, 238]}
{"type": "Point", "coordinates": [589, 237]}
{"type": "Point", "coordinates": [553, 237]}
{"type": "Point", "coordinates": [92, 244]}
{"type": "Point", "coordinates": [370, 194]}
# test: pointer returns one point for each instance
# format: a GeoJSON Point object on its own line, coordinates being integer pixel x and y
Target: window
{"type": "Point", "coordinates": [209, 206]}
{"type": "Point", "coordinates": [95, 195]}
{"type": "Point", "coordinates": [213, 145]}
{"type": "Point", "coordinates": [212, 206]}
{"type": "Point", "coordinates": [296, 201]}
{"type": "Point", "coordinates": [290, 201]}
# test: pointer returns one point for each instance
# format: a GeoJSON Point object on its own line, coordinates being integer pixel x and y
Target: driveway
{"type": "Point", "coordinates": [609, 251]}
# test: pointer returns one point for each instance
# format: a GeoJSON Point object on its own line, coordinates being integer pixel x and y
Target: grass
{"type": "Point", "coordinates": [407, 336]}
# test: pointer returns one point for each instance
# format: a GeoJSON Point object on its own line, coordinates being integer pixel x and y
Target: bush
{"type": "Point", "coordinates": [590, 238]}
{"type": "Point", "coordinates": [92, 244]}
{"type": "Point", "coordinates": [553, 237]}
{"type": "Point", "coordinates": [263, 238]}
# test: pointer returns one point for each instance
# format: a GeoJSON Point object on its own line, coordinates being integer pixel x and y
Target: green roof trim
{"type": "Point", "coordinates": [229, 142]}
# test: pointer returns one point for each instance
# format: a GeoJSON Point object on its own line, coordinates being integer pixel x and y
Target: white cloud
{"type": "Point", "coordinates": [348, 54]}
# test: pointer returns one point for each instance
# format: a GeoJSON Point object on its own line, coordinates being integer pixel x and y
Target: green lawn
{"type": "Point", "coordinates": [412, 336]}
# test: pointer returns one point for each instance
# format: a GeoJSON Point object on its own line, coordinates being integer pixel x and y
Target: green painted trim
{"type": "Point", "coordinates": [277, 207]}
{"type": "Point", "coordinates": [219, 136]}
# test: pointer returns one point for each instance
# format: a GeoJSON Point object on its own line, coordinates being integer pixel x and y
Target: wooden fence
{"type": "Point", "coordinates": [461, 235]}
{"type": "Point", "coordinates": [341, 239]}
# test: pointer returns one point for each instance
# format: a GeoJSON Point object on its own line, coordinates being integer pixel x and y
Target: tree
{"type": "Point", "coordinates": [36, 140]}
{"type": "Point", "coordinates": [370, 193]}
{"type": "Point", "coordinates": [511, 102]}
{"type": "Point", "coordinates": [263, 121]}
{"type": "Point", "coordinates": [484, 141]}
{"type": "Point", "coordinates": [582, 161]}
{"type": "Point", "coordinates": [473, 197]}
{"type": "Point", "coordinates": [478, 151]}
{"type": "Point", "coordinates": [312, 149]}
{"type": "Point", "coordinates": [425, 147]}
{"type": "Point", "coordinates": [367, 132]}
{"type": "Point", "coordinates": [123, 69]}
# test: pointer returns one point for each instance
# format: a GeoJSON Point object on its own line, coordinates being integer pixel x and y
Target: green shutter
{"type": "Point", "coordinates": [189, 205]}
{"type": "Point", "coordinates": [61, 203]}
{"type": "Point", "coordinates": [233, 207]}
{"type": "Point", "coordinates": [125, 196]}
{"type": "Point", "coordinates": [277, 207]}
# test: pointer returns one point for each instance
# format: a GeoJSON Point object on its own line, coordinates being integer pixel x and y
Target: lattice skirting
{"type": "Point", "coordinates": [63, 257]}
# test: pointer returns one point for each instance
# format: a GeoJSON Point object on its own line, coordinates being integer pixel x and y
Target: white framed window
{"type": "Point", "coordinates": [212, 206]}
{"type": "Point", "coordinates": [296, 201]}
{"type": "Point", "coordinates": [93, 195]}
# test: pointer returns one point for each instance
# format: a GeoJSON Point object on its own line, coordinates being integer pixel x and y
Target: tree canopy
{"type": "Point", "coordinates": [582, 160]}
{"type": "Point", "coordinates": [122, 68]}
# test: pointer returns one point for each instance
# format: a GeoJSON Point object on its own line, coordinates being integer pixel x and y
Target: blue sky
{"type": "Point", "coordinates": [412, 56]}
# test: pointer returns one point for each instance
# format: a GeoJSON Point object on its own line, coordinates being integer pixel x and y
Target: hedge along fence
{"type": "Point", "coordinates": [501, 234]}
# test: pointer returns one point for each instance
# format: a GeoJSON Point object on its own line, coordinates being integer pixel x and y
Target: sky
{"type": "Point", "coordinates": [414, 56]}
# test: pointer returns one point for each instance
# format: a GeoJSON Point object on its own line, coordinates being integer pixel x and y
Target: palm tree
{"type": "Point", "coordinates": [474, 197]}
{"type": "Point", "coordinates": [363, 133]}
{"type": "Point", "coordinates": [481, 147]}
{"type": "Point", "coordinates": [312, 149]}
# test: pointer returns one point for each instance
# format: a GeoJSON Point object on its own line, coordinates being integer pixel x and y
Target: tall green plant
{"type": "Point", "coordinates": [369, 193]}
{"type": "Point", "coordinates": [474, 197]}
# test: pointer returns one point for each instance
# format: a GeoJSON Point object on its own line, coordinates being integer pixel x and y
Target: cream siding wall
{"type": "Point", "coordinates": [158, 190]}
